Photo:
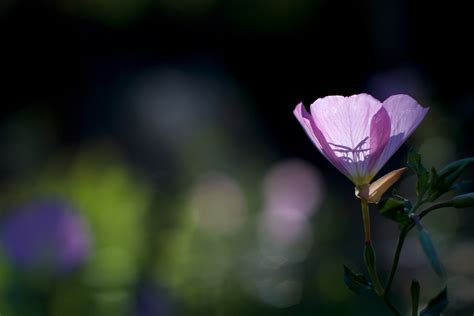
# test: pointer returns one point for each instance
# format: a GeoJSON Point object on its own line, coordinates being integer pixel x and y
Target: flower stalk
{"type": "Point", "coordinates": [369, 253]}
{"type": "Point", "coordinates": [366, 221]}
{"type": "Point", "coordinates": [401, 240]}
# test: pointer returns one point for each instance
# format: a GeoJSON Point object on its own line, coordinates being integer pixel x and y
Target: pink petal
{"type": "Point", "coordinates": [345, 123]}
{"type": "Point", "coordinates": [305, 120]}
{"type": "Point", "coordinates": [318, 138]}
{"type": "Point", "coordinates": [405, 115]}
{"type": "Point", "coordinates": [380, 127]}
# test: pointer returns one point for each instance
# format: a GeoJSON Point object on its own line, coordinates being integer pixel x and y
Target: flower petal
{"type": "Point", "coordinates": [305, 120]}
{"type": "Point", "coordinates": [405, 115]}
{"type": "Point", "coordinates": [345, 124]}
{"type": "Point", "coordinates": [318, 138]}
{"type": "Point", "coordinates": [380, 128]}
{"type": "Point", "coordinates": [345, 120]}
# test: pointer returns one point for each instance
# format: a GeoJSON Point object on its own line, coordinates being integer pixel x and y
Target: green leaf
{"type": "Point", "coordinates": [446, 178]}
{"type": "Point", "coordinates": [356, 282]}
{"type": "Point", "coordinates": [430, 250]}
{"type": "Point", "coordinates": [436, 305]}
{"type": "Point", "coordinates": [414, 163]}
{"type": "Point", "coordinates": [415, 297]}
{"type": "Point", "coordinates": [462, 185]}
{"type": "Point", "coordinates": [395, 208]}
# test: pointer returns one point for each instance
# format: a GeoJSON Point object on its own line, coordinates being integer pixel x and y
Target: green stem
{"type": "Point", "coordinates": [366, 220]}
{"type": "Point", "coordinates": [401, 240]}
{"type": "Point", "coordinates": [429, 210]}
{"type": "Point", "coordinates": [369, 253]}
{"type": "Point", "coordinates": [370, 259]}
{"type": "Point", "coordinates": [434, 207]}
{"type": "Point", "coordinates": [396, 259]}
{"type": "Point", "coordinates": [390, 306]}
{"type": "Point", "coordinates": [398, 251]}
{"type": "Point", "coordinates": [415, 297]}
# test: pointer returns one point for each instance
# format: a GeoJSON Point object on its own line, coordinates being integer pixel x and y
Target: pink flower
{"type": "Point", "coordinates": [358, 134]}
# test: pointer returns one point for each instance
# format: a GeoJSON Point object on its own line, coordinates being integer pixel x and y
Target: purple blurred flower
{"type": "Point", "coordinates": [45, 235]}
{"type": "Point", "coordinates": [151, 301]}
{"type": "Point", "coordinates": [358, 134]}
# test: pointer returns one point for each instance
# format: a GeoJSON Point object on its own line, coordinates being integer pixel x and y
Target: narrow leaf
{"type": "Point", "coordinates": [461, 185]}
{"type": "Point", "coordinates": [436, 305]}
{"type": "Point", "coordinates": [453, 167]}
{"type": "Point", "coordinates": [446, 178]}
{"type": "Point", "coordinates": [430, 250]}
{"type": "Point", "coordinates": [414, 163]}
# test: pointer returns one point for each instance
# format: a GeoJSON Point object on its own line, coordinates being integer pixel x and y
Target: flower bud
{"type": "Point", "coordinates": [373, 193]}
{"type": "Point", "coordinates": [464, 200]}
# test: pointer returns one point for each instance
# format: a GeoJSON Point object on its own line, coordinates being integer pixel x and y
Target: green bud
{"type": "Point", "coordinates": [464, 200]}
{"type": "Point", "coordinates": [454, 167]}
{"type": "Point", "coordinates": [415, 296]}
{"type": "Point", "coordinates": [370, 262]}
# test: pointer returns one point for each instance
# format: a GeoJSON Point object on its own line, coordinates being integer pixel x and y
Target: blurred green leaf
{"type": "Point", "coordinates": [462, 185]}
{"type": "Point", "coordinates": [445, 180]}
{"type": "Point", "coordinates": [430, 250]}
{"type": "Point", "coordinates": [395, 208]}
{"type": "Point", "coordinates": [414, 163]}
{"type": "Point", "coordinates": [415, 296]}
{"type": "Point", "coordinates": [463, 200]}
{"type": "Point", "coordinates": [356, 282]}
{"type": "Point", "coordinates": [436, 305]}
{"type": "Point", "coordinates": [434, 184]}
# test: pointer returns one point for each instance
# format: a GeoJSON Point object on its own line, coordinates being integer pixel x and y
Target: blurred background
{"type": "Point", "coordinates": [151, 165]}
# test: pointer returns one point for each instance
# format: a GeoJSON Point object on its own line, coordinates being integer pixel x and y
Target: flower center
{"type": "Point", "coordinates": [352, 155]}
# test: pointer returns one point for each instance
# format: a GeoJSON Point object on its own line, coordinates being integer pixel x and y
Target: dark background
{"type": "Point", "coordinates": [169, 91]}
